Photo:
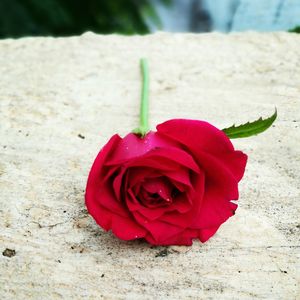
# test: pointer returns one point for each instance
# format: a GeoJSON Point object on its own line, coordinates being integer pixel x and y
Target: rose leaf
{"type": "Point", "coordinates": [250, 128]}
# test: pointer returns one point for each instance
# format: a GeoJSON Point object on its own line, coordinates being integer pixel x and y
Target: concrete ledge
{"type": "Point", "coordinates": [61, 99]}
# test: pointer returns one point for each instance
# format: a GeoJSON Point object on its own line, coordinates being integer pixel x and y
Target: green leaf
{"type": "Point", "coordinates": [250, 128]}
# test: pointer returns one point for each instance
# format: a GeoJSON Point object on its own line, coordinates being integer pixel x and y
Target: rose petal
{"type": "Point", "coordinates": [159, 185]}
{"type": "Point", "coordinates": [214, 210]}
{"type": "Point", "coordinates": [168, 156]}
{"type": "Point", "coordinates": [105, 196]}
{"type": "Point", "coordinates": [181, 204]}
{"type": "Point", "coordinates": [117, 183]}
{"type": "Point", "coordinates": [157, 163]}
{"type": "Point", "coordinates": [219, 175]}
{"type": "Point", "coordinates": [107, 173]}
{"type": "Point", "coordinates": [99, 161]}
{"type": "Point", "coordinates": [151, 214]}
{"type": "Point", "coordinates": [207, 233]}
{"type": "Point", "coordinates": [196, 134]}
{"type": "Point", "coordinates": [182, 175]}
{"type": "Point", "coordinates": [148, 214]}
{"type": "Point", "coordinates": [167, 223]}
{"type": "Point", "coordinates": [177, 155]}
{"type": "Point", "coordinates": [101, 215]}
{"type": "Point", "coordinates": [187, 219]}
{"type": "Point", "coordinates": [160, 231]}
{"type": "Point", "coordinates": [200, 137]}
{"type": "Point", "coordinates": [132, 145]}
{"type": "Point", "coordinates": [184, 238]}
{"type": "Point", "coordinates": [138, 175]}
{"type": "Point", "coordinates": [94, 178]}
{"type": "Point", "coordinates": [131, 201]}
{"type": "Point", "coordinates": [235, 161]}
{"type": "Point", "coordinates": [126, 228]}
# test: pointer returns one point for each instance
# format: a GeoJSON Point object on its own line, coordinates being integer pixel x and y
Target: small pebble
{"type": "Point", "coordinates": [9, 252]}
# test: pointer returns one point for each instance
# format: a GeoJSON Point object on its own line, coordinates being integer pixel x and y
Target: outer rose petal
{"type": "Point", "coordinates": [101, 215]}
{"type": "Point", "coordinates": [160, 231]}
{"type": "Point", "coordinates": [107, 199]}
{"type": "Point", "coordinates": [236, 162]}
{"type": "Point", "coordinates": [196, 134]}
{"type": "Point", "coordinates": [171, 156]}
{"type": "Point", "coordinates": [214, 211]}
{"type": "Point", "coordinates": [202, 136]}
{"type": "Point", "coordinates": [127, 229]}
{"type": "Point", "coordinates": [206, 234]}
{"type": "Point", "coordinates": [94, 179]}
{"type": "Point", "coordinates": [220, 174]}
{"type": "Point", "coordinates": [132, 146]}
{"type": "Point", "coordinates": [100, 200]}
{"type": "Point", "coordinates": [184, 238]}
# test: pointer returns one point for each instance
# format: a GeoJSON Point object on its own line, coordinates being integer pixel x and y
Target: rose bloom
{"type": "Point", "coordinates": [170, 187]}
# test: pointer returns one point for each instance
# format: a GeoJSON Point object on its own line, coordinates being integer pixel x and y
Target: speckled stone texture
{"type": "Point", "coordinates": [61, 99]}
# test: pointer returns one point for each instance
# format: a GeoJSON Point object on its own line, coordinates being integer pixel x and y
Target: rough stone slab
{"type": "Point", "coordinates": [52, 90]}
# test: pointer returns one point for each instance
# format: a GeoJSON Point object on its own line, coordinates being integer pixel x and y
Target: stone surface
{"type": "Point", "coordinates": [61, 99]}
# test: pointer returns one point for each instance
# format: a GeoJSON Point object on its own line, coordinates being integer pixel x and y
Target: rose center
{"type": "Point", "coordinates": [157, 192]}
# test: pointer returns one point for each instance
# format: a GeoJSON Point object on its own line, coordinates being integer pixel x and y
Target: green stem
{"type": "Point", "coordinates": [143, 129]}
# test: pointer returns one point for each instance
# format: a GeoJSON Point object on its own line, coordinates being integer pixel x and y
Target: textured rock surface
{"type": "Point", "coordinates": [54, 92]}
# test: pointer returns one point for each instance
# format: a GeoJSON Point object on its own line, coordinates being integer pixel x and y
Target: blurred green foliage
{"type": "Point", "coordinates": [296, 29]}
{"type": "Point", "coordinates": [72, 17]}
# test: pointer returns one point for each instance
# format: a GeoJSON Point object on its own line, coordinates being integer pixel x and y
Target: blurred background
{"type": "Point", "coordinates": [20, 18]}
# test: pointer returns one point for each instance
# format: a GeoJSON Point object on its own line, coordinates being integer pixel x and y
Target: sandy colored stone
{"type": "Point", "coordinates": [61, 99]}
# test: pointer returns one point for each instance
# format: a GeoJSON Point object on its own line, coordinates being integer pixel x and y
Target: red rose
{"type": "Point", "coordinates": [169, 187]}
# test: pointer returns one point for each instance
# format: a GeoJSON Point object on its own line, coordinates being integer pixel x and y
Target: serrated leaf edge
{"type": "Point", "coordinates": [250, 128]}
